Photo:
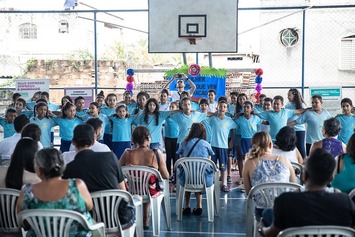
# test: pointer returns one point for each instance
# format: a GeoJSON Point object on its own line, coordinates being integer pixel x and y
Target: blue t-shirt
{"type": "Point", "coordinates": [171, 128]}
{"type": "Point", "coordinates": [66, 127]}
{"type": "Point", "coordinates": [292, 106]}
{"type": "Point", "coordinates": [314, 123]}
{"type": "Point", "coordinates": [108, 112]}
{"type": "Point", "coordinates": [220, 130]}
{"type": "Point", "coordinates": [231, 109]}
{"type": "Point", "coordinates": [154, 128]}
{"type": "Point", "coordinates": [258, 109]}
{"type": "Point", "coordinates": [185, 121]}
{"type": "Point", "coordinates": [131, 107]}
{"type": "Point", "coordinates": [248, 127]}
{"type": "Point", "coordinates": [277, 120]}
{"type": "Point", "coordinates": [82, 113]}
{"type": "Point", "coordinates": [9, 128]}
{"type": "Point", "coordinates": [347, 124]}
{"type": "Point", "coordinates": [102, 117]}
{"type": "Point", "coordinates": [46, 125]}
{"type": "Point", "coordinates": [121, 128]}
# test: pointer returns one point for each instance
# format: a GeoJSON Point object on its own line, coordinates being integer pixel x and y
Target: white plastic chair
{"type": "Point", "coordinates": [8, 215]}
{"type": "Point", "coordinates": [56, 222]}
{"type": "Point", "coordinates": [138, 183]}
{"type": "Point", "coordinates": [106, 204]}
{"type": "Point", "coordinates": [318, 231]}
{"type": "Point", "coordinates": [268, 191]}
{"type": "Point", "coordinates": [194, 171]}
{"type": "Point", "coordinates": [298, 168]}
{"type": "Point", "coordinates": [352, 194]}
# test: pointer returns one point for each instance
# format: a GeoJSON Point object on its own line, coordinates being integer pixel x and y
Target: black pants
{"type": "Point", "coordinates": [170, 149]}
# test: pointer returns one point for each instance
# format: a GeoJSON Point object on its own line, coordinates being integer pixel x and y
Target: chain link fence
{"type": "Point", "coordinates": [299, 46]}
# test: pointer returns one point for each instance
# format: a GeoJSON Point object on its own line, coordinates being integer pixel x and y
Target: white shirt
{"type": "Point", "coordinates": [7, 146]}
{"type": "Point", "coordinates": [290, 155]}
{"type": "Point", "coordinates": [69, 156]}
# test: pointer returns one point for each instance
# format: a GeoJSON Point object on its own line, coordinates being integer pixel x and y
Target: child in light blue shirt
{"type": "Point", "coordinates": [314, 120]}
{"type": "Point", "coordinates": [7, 123]}
{"type": "Point", "coordinates": [153, 119]}
{"type": "Point", "coordinates": [220, 127]}
{"type": "Point", "coordinates": [110, 101]}
{"type": "Point", "coordinates": [79, 103]}
{"type": "Point", "coordinates": [186, 118]}
{"type": "Point", "coordinates": [347, 121]}
{"type": "Point", "coordinates": [94, 112]}
{"type": "Point", "coordinates": [121, 130]}
{"type": "Point", "coordinates": [44, 122]}
{"type": "Point", "coordinates": [66, 124]}
{"type": "Point", "coordinates": [278, 117]}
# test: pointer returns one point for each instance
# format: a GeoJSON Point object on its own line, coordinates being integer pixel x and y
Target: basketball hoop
{"type": "Point", "coordinates": [191, 39]}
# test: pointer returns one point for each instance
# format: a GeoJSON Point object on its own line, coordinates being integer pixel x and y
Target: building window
{"type": "Point", "coordinates": [347, 53]}
{"type": "Point", "coordinates": [28, 31]}
{"type": "Point", "coordinates": [63, 27]}
{"type": "Point", "coordinates": [289, 37]}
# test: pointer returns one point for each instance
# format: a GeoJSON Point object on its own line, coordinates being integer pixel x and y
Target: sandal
{"type": "Point", "coordinates": [239, 181]}
{"type": "Point", "coordinates": [224, 188]}
{"type": "Point", "coordinates": [186, 211]}
{"type": "Point", "coordinates": [197, 211]}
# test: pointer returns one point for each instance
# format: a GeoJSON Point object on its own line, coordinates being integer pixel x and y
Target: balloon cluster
{"type": "Point", "coordinates": [258, 80]}
{"type": "Point", "coordinates": [130, 80]}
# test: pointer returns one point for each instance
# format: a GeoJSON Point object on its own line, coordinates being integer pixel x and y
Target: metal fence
{"type": "Point", "coordinates": [319, 36]}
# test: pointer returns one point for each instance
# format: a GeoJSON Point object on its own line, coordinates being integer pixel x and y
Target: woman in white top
{"type": "Point", "coordinates": [285, 145]}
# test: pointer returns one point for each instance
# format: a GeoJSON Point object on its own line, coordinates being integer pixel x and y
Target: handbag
{"type": "Point", "coordinates": [157, 183]}
{"type": "Point", "coordinates": [126, 213]}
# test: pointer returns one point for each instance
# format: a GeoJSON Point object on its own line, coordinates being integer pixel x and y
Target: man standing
{"type": "Point", "coordinates": [180, 85]}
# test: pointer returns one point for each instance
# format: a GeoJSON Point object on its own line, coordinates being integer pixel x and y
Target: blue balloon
{"type": "Point", "coordinates": [130, 72]}
{"type": "Point", "coordinates": [258, 79]}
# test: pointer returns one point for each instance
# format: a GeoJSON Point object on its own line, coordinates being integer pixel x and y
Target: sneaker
{"type": "Point", "coordinates": [229, 179]}
{"type": "Point", "coordinates": [224, 188]}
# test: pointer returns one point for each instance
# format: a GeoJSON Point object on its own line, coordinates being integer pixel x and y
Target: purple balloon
{"type": "Point", "coordinates": [129, 86]}
{"type": "Point", "coordinates": [258, 87]}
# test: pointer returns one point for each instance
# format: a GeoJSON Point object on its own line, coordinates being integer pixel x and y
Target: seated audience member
{"type": "Point", "coordinates": [330, 143]}
{"type": "Point", "coordinates": [96, 123]}
{"type": "Point", "coordinates": [261, 166]}
{"type": "Point", "coordinates": [195, 145]}
{"type": "Point", "coordinates": [52, 192]}
{"type": "Point", "coordinates": [344, 178]}
{"type": "Point", "coordinates": [285, 145]}
{"type": "Point", "coordinates": [21, 169]}
{"type": "Point", "coordinates": [314, 206]}
{"type": "Point", "coordinates": [99, 170]}
{"type": "Point", "coordinates": [144, 156]}
{"type": "Point", "coordinates": [34, 132]}
{"type": "Point", "coordinates": [7, 145]}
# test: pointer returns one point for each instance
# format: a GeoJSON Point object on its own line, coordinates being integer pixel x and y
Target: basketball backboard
{"type": "Point", "coordinates": [193, 26]}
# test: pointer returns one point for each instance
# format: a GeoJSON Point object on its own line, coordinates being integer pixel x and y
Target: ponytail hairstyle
{"type": "Point", "coordinates": [156, 111]}
{"type": "Point", "coordinates": [297, 98]}
{"type": "Point", "coordinates": [21, 159]}
{"type": "Point", "coordinates": [261, 141]}
{"type": "Point", "coordinates": [50, 162]}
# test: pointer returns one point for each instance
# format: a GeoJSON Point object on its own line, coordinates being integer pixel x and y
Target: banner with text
{"type": "Point", "coordinates": [203, 84]}
{"type": "Point", "coordinates": [27, 87]}
{"type": "Point", "coordinates": [86, 92]}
